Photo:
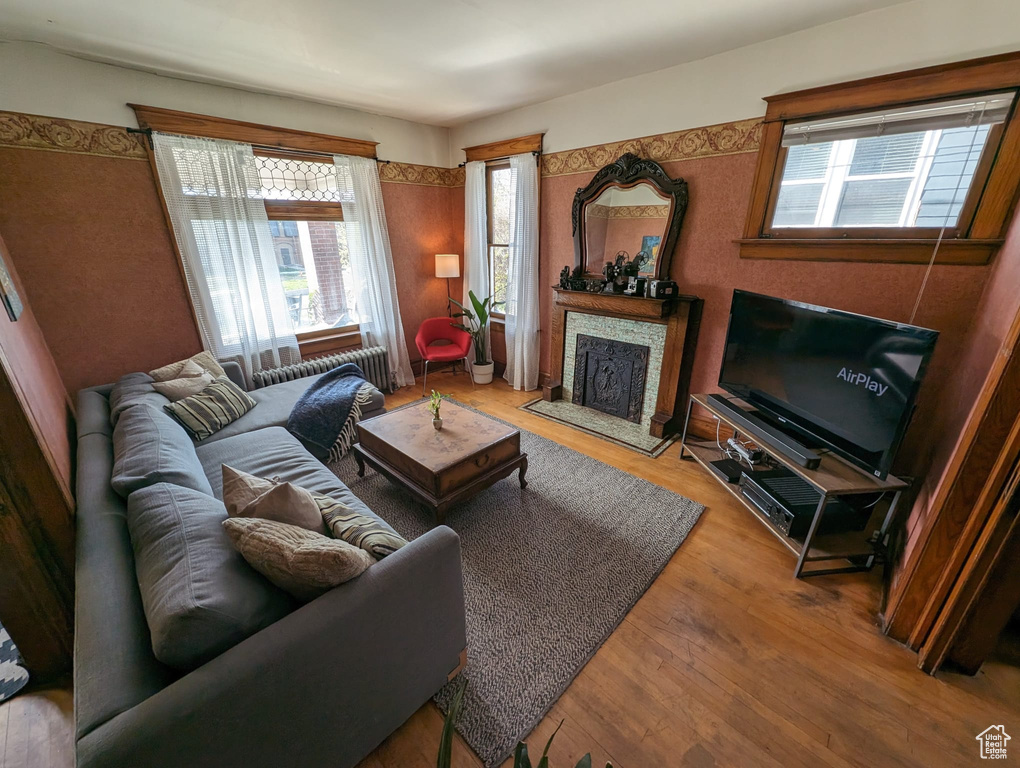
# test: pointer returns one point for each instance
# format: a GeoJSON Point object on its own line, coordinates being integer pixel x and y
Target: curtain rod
{"type": "Point", "coordinates": [147, 132]}
{"type": "Point", "coordinates": [535, 152]}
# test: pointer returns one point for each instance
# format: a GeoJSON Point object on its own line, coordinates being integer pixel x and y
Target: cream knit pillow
{"type": "Point", "coordinates": [303, 563]}
{"type": "Point", "coordinates": [191, 380]}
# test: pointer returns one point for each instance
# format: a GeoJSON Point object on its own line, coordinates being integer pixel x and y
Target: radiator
{"type": "Point", "coordinates": [373, 361]}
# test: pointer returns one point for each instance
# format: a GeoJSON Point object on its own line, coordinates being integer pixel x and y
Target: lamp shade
{"type": "Point", "coordinates": [447, 265]}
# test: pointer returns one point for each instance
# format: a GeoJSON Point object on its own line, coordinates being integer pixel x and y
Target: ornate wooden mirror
{"type": "Point", "coordinates": [632, 206]}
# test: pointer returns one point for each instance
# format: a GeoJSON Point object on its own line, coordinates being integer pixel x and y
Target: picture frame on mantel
{"type": "Point", "coordinates": [9, 292]}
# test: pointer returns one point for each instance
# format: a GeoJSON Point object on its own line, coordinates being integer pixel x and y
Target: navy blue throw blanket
{"type": "Point", "coordinates": [327, 415]}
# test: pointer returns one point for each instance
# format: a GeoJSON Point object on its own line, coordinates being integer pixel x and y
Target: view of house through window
{"type": "Point", "coordinates": [315, 269]}
{"type": "Point", "coordinates": [500, 204]}
{"type": "Point", "coordinates": [312, 255]}
{"type": "Point", "coordinates": [911, 168]}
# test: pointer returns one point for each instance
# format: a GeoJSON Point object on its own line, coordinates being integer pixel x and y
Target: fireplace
{"type": "Point", "coordinates": [664, 329]}
{"type": "Point", "coordinates": [609, 376]}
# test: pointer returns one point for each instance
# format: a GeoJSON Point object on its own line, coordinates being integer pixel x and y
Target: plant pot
{"type": "Point", "coordinates": [438, 424]}
{"type": "Point", "coordinates": [482, 374]}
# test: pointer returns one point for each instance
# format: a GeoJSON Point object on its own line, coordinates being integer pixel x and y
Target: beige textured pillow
{"type": "Point", "coordinates": [301, 562]}
{"type": "Point", "coordinates": [173, 371]}
{"type": "Point", "coordinates": [245, 495]}
{"type": "Point", "coordinates": [192, 379]}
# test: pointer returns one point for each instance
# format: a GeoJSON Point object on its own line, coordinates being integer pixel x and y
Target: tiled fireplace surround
{"type": "Point", "coordinates": [651, 335]}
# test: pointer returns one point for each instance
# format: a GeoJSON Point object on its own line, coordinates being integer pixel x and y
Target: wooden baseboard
{"type": "Point", "coordinates": [461, 663]}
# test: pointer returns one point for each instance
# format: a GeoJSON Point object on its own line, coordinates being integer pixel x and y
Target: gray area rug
{"type": "Point", "coordinates": [549, 572]}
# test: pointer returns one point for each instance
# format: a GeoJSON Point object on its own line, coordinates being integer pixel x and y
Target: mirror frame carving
{"type": "Point", "coordinates": [629, 171]}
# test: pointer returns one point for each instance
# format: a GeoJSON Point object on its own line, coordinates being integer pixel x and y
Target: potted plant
{"type": "Point", "coordinates": [521, 758]}
{"type": "Point", "coordinates": [476, 323]}
{"type": "Point", "coordinates": [436, 400]}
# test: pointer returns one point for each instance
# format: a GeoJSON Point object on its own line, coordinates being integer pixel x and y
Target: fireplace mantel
{"type": "Point", "coordinates": [681, 316]}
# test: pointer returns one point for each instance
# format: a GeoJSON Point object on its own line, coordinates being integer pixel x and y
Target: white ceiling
{"type": "Point", "coordinates": [441, 62]}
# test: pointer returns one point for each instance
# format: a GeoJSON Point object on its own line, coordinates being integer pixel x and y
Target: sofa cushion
{"type": "Point", "coordinates": [209, 411]}
{"type": "Point", "coordinates": [133, 389]}
{"type": "Point", "coordinates": [248, 496]}
{"type": "Point", "coordinates": [148, 448]}
{"type": "Point", "coordinates": [304, 563]}
{"type": "Point", "coordinates": [275, 404]}
{"type": "Point", "coordinates": [275, 452]}
{"type": "Point", "coordinates": [173, 370]}
{"type": "Point", "coordinates": [199, 595]}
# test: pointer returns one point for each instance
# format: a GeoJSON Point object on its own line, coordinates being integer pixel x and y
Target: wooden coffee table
{"type": "Point", "coordinates": [440, 468]}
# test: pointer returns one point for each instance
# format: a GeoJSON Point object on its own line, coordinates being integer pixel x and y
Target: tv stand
{"type": "Point", "coordinates": [793, 448]}
{"type": "Point", "coordinates": [832, 478]}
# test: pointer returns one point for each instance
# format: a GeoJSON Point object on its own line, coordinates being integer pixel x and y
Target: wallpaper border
{"type": "Point", "coordinates": [732, 138]}
{"type": "Point", "coordinates": [78, 137]}
{"type": "Point", "coordinates": [422, 175]}
{"type": "Point", "coordinates": [24, 131]}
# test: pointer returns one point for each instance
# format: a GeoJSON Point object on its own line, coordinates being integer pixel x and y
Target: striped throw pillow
{"type": "Point", "coordinates": [357, 529]}
{"type": "Point", "coordinates": [211, 409]}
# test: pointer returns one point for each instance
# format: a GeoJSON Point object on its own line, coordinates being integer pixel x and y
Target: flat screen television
{"type": "Point", "coordinates": [845, 381]}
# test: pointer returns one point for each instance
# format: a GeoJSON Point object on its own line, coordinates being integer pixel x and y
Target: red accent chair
{"type": "Point", "coordinates": [441, 329]}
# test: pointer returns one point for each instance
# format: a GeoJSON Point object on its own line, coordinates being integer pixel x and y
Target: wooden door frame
{"type": "Point", "coordinates": [984, 595]}
{"type": "Point", "coordinates": [964, 504]}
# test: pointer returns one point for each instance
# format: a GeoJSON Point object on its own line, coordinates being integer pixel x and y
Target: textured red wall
{"type": "Point", "coordinates": [707, 264]}
{"type": "Point", "coordinates": [422, 222]}
{"type": "Point", "coordinates": [89, 239]}
{"type": "Point", "coordinates": [34, 374]}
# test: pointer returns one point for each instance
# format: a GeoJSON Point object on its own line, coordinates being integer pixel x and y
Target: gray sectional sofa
{"type": "Point", "coordinates": [321, 686]}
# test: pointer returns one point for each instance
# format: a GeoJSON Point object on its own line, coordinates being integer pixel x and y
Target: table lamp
{"type": "Point", "coordinates": [448, 265]}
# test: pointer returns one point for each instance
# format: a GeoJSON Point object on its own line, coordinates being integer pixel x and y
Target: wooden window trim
{"type": "Point", "coordinates": [262, 136]}
{"type": "Point", "coordinates": [987, 210]}
{"type": "Point", "coordinates": [303, 210]}
{"type": "Point", "coordinates": [500, 150]}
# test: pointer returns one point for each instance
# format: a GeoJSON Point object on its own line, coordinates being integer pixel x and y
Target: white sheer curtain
{"type": "Point", "coordinates": [476, 238]}
{"type": "Point", "coordinates": [212, 192]}
{"type": "Point", "coordinates": [372, 262]}
{"type": "Point", "coordinates": [522, 341]}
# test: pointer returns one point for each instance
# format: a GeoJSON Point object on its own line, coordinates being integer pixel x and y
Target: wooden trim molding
{"type": "Point", "coordinates": [989, 205]}
{"type": "Point", "coordinates": [908, 251]}
{"type": "Point", "coordinates": [191, 124]}
{"type": "Point", "coordinates": [329, 341]}
{"type": "Point", "coordinates": [959, 78]}
{"type": "Point", "coordinates": [303, 210]}
{"type": "Point", "coordinates": [496, 150]}
{"type": "Point", "coordinates": [54, 134]}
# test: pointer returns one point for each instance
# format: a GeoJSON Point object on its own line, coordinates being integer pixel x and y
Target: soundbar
{"type": "Point", "coordinates": [790, 447]}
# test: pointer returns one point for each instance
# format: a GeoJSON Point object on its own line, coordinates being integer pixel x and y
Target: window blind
{"type": "Point", "coordinates": [988, 109]}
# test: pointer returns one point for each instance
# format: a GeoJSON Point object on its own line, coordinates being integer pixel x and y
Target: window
{"type": "Point", "coordinates": [499, 200]}
{"type": "Point", "coordinates": [311, 253]}
{"type": "Point", "coordinates": [910, 169]}
{"type": "Point", "coordinates": [317, 281]}
{"type": "Point", "coordinates": [886, 168]}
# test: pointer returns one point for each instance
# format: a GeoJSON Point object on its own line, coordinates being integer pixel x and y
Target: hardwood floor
{"type": "Point", "coordinates": [725, 661]}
